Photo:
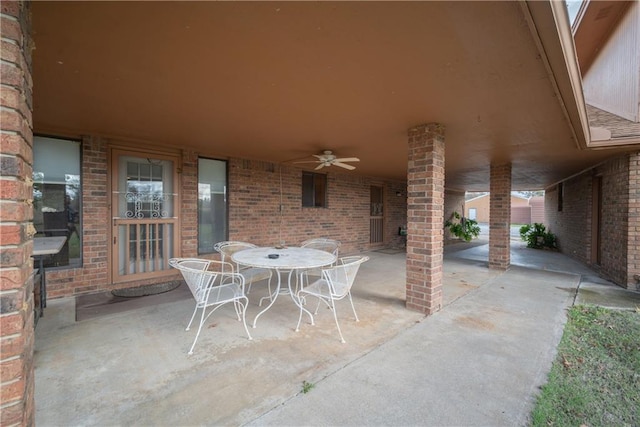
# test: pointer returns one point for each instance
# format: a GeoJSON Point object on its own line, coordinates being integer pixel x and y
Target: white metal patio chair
{"type": "Point", "coordinates": [213, 285]}
{"type": "Point", "coordinates": [250, 274]}
{"type": "Point", "coordinates": [334, 285]}
{"type": "Point", "coordinates": [323, 244]}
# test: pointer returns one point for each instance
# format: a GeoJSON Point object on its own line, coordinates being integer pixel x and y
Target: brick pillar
{"type": "Point", "coordinates": [500, 217]}
{"type": "Point", "coordinates": [16, 228]}
{"type": "Point", "coordinates": [425, 218]}
{"type": "Point", "coordinates": [633, 228]}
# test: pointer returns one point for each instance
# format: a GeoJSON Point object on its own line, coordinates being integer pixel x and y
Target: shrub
{"type": "Point", "coordinates": [537, 236]}
{"type": "Point", "coordinates": [463, 228]}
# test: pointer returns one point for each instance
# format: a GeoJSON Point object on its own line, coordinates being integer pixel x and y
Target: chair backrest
{"type": "Point", "coordinates": [323, 244]}
{"type": "Point", "coordinates": [229, 247]}
{"type": "Point", "coordinates": [342, 276]}
{"type": "Point", "coordinates": [202, 276]}
{"type": "Point", "coordinates": [191, 269]}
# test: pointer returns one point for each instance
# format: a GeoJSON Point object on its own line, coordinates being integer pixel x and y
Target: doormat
{"type": "Point", "coordinates": [143, 291]}
{"type": "Point", "coordinates": [391, 251]}
{"type": "Point", "coordinates": [106, 303]}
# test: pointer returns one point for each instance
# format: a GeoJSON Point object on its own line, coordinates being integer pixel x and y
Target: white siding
{"type": "Point", "coordinates": [612, 82]}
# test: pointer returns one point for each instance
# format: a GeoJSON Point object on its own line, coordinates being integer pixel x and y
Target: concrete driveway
{"type": "Point", "coordinates": [479, 361]}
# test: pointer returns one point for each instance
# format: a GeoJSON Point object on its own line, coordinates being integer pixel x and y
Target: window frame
{"type": "Point", "coordinates": [226, 201]}
{"type": "Point", "coordinates": [78, 227]}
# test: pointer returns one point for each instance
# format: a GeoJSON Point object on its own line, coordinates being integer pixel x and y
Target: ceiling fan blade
{"type": "Point", "coordinates": [343, 165]}
{"type": "Point", "coordinates": [308, 161]}
{"type": "Point", "coordinates": [320, 166]}
{"type": "Point", "coordinates": [347, 159]}
{"type": "Point", "coordinates": [319, 156]}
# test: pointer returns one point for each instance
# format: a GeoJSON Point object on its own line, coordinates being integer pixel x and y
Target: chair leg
{"type": "Point", "coordinates": [237, 304]}
{"type": "Point", "coordinates": [353, 308]}
{"type": "Point", "coordinates": [335, 316]}
{"type": "Point", "coordinates": [244, 318]}
{"type": "Point", "coordinates": [202, 319]}
{"type": "Point", "coordinates": [300, 316]}
{"type": "Point", "coordinates": [192, 316]}
{"type": "Point", "coordinates": [317, 306]}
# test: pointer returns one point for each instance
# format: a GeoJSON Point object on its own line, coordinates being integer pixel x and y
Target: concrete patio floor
{"type": "Point", "coordinates": [131, 367]}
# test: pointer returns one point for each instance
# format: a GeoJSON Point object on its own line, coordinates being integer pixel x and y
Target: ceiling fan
{"type": "Point", "coordinates": [327, 158]}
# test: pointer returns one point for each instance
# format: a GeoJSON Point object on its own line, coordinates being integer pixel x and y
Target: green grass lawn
{"type": "Point", "coordinates": [595, 380]}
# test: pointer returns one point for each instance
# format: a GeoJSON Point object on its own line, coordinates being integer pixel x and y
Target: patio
{"type": "Point", "coordinates": [131, 367]}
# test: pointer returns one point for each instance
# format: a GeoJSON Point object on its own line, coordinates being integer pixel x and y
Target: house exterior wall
{"type": "Point", "coordinates": [633, 229]}
{"type": "Point", "coordinates": [612, 83]}
{"type": "Point", "coordinates": [520, 215]}
{"type": "Point", "coordinates": [572, 221]}
{"type": "Point", "coordinates": [618, 218]}
{"type": "Point", "coordinates": [537, 209]}
{"type": "Point", "coordinates": [16, 228]}
{"type": "Point", "coordinates": [254, 213]}
{"type": "Point", "coordinates": [481, 204]}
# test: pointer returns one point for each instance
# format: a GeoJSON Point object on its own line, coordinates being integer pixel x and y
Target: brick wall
{"type": "Point", "coordinates": [500, 216]}
{"type": "Point", "coordinates": [16, 228]}
{"type": "Point", "coordinates": [254, 213]}
{"type": "Point", "coordinates": [395, 212]}
{"type": "Point", "coordinates": [255, 198]}
{"type": "Point", "coordinates": [573, 224]}
{"type": "Point", "coordinates": [633, 233]}
{"type": "Point", "coordinates": [614, 218]}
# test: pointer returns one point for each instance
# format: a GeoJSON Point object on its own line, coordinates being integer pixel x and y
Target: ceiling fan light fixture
{"type": "Point", "coordinates": [327, 158]}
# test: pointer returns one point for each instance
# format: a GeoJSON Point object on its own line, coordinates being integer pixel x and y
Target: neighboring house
{"type": "Point", "coordinates": [478, 209]}
{"type": "Point", "coordinates": [164, 127]}
{"type": "Point", "coordinates": [536, 204]}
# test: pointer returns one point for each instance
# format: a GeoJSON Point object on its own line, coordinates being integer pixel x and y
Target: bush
{"type": "Point", "coordinates": [463, 228]}
{"type": "Point", "coordinates": [537, 236]}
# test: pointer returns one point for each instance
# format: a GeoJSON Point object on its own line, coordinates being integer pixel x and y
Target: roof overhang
{"type": "Point", "coordinates": [276, 81]}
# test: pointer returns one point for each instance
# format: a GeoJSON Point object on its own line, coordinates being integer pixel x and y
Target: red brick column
{"type": "Point", "coordinates": [633, 233]}
{"type": "Point", "coordinates": [500, 217]}
{"type": "Point", "coordinates": [425, 218]}
{"type": "Point", "coordinates": [16, 228]}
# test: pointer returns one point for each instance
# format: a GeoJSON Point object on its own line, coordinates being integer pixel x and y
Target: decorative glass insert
{"type": "Point", "coordinates": [145, 197]}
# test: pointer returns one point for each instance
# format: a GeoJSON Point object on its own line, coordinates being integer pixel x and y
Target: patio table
{"type": "Point", "coordinates": [288, 259]}
{"type": "Point", "coordinates": [42, 247]}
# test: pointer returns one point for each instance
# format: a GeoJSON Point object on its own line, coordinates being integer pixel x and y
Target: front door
{"type": "Point", "coordinates": [144, 214]}
{"type": "Point", "coordinates": [376, 216]}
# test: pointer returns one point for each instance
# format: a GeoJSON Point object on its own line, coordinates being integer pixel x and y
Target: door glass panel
{"type": "Point", "coordinates": [146, 206]}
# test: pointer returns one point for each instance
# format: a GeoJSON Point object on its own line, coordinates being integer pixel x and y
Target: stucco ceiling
{"type": "Point", "coordinates": [281, 81]}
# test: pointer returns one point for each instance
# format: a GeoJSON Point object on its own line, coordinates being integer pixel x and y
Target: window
{"type": "Point", "coordinates": [57, 197]}
{"type": "Point", "coordinates": [212, 204]}
{"type": "Point", "coordinates": [560, 196]}
{"type": "Point", "coordinates": [314, 190]}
